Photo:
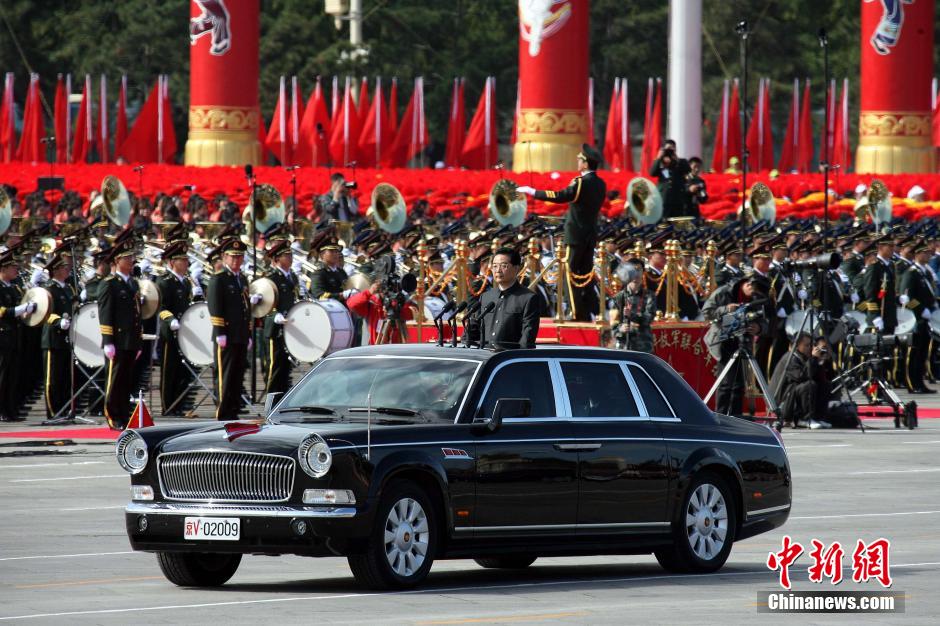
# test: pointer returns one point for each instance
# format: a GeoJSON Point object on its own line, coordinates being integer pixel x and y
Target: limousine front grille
{"type": "Point", "coordinates": [226, 476]}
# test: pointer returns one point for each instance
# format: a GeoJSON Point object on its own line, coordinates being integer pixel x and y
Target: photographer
{"type": "Point", "coordinates": [696, 192]}
{"type": "Point", "coordinates": [798, 383]}
{"type": "Point", "coordinates": [337, 204]}
{"type": "Point", "coordinates": [670, 172]}
{"type": "Point", "coordinates": [725, 301]}
{"type": "Point", "coordinates": [383, 305]}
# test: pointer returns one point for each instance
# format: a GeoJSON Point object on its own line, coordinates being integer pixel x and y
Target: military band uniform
{"type": "Point", "coordinates": [728, 274]}
{"type": "Point", "coordinates": [278, 366]}
{"type": "Point", "coordinates": [878, 295]}
{"type": "Point", "coordinates": [328, 283]}
{"type": "Point", "coordinates": [57, 349]}
{"type": "Point", "coordinates": [852, 265]}
{"type": "Point", "coordinates": [227, 298]}
{"type": "Point", "coordinates": [120, 321]}
{"type": "Point", "coordinates": [514, 322]}
{"type": "Point", "coordinates": [176, 294]}
{"type": "Point", "coordinates": [916, 285]}
{"type": "Point", "coordinates": [9, 334]}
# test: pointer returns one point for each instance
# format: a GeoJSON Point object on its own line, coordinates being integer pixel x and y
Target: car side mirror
{"type": "Point", "coordinates": [270, 400]}
{"type": "Point", "coordinates": [506, 407]}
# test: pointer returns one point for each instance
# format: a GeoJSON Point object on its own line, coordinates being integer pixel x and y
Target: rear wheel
{"type": "Point", "coordinates": [401, 548]}
{"type": "Point", "coordinates": [188, 569]}
{"type": "Point", "coordinates": [703, 533]}
{"type": "Point", "coordinates": [516, 561]}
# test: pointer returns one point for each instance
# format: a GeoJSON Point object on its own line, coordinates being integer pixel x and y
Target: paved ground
{"type": "Point", "coordinates": [64, 557]}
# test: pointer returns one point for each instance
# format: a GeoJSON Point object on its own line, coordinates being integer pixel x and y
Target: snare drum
{"type": "Point", "coordinates": [316, 329]}
{"type": "Point", "coordinates": [85, 333]}
{"type": "Point", "coordinates": [195, 335]}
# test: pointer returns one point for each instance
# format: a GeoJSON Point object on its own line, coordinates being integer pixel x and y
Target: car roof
{"type": "Point", "coordinates": [485, 355]}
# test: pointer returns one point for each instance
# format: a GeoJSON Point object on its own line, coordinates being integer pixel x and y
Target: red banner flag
{"type": "Point", "coordinates": [31, 148]}
{"type": "Point", "coordinates": [334, 102]}
{"type": "Point", "coordinates": [655, 128]}
{"type": "Point", "coordinates": [840, 157]}
{"type": "Point", "coordinates": [734, 147]}
{"type": "Point", "coordinates": [612, 149]}
{"type": "Point", "coordinates": [166, 137]}
{"type": "Point", "coordinates": [277, 142]}
{"type": "Point", "coordinates": [345, 131]}
{"type": "Point", "coordinates": [791, 138]}
{"type": "Point", "coordinates": [805, 155]}
{"type": "Point", "coordinates": [362, 102]}
{"type": "Point", "coordinates": [720, 152]}
{"type": "Point", "coordinates": [296, 114]}
{"type": "Point", "coordinates": [141, 417]}
{"type": "Point", "coordinates": [759, 138]}
{"type": "Point", "coordinates": [374, 136]}
{"type": "Point", "coordinates": [102, 137]}
{"type": "Point", "coordinates": [456, 125]}
{"type": "Point", "coordinates": [647, 118]}
{"type": "Point", "coordinates": [152, 139]}
{"type": "Point", "coordinates": [60, 121]}
{"type": "Point", "coordinates": [81, 143]}
{"type": "Point", "coordinates": [623, 119]}
{"type": "Point", "coordinates": [314, 130]}
{"type": "Point", "coordinates": [481, 143]}
{"type": "Point", "coordinates": [7, 123]}
{"type": "Point", "coordinates": [120, 127]}
{"type": "Point", "coordinates": [412, 136]}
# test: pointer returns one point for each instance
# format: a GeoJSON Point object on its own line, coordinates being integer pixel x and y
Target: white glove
{"type": "Point", "coordinates": [22, 309]}
{"type": "Point", "coordinates": [110, 351]}
{"type": "Point", "coordinates": [349, 292]}
{"type": "Point", "coordinates": [878, 323]}
{"type": "Point", "coordinates": [175, 325]}
{"type": "Point", "coordinates": [89, 274]}
{"type": "Point", "coordinates": [854, 298]}
{"type": "Point", "coordinates": [31, 308]}
{"type": "Point", "coordinates": [222, 340]}
{"type": "Point", "coordinates": [781, 313]}
{"type": "Point", "coordinates": [83, 295]}
{"type": "Point", "coordinates": [146, 267]}
{"type": "Point", "coordinates": [529, 191]}
{"type": "Point", "coordinates": [142, 298]}
{"type": "Point", "coordinates": [797, 278]}
{"type": "Point", "coordinates": [904, 299]}
{"type": "Point", "coordinates": [37, 277]}
{"type": "Point", "coordinates": [280, 319]}
{"type": "Point", "coordinates": [925, 314]}
{"type": "Point", "coordinates": [197, 291]}
{"type": "Point", "coordinates": [255, 298]}
{"type": "Point", "coordinates": [801, 294]}
{"type": "Point", "coordinates": [64, 323]}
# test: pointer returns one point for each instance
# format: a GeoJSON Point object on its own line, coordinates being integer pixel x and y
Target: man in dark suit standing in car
{"type": "Point", "coordinates": [513, 321]}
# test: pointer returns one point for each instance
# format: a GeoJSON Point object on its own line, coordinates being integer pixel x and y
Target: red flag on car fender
{"type": "Point", "coordinates": [141, 417]}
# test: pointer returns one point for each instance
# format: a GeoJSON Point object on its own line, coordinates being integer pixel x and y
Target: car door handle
{"type": "Point", "coordinates": [575, 447]}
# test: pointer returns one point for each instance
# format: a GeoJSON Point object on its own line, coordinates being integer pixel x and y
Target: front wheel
{"type": "Point", "coordinates": [401, 548]}
{"type": "Point", "coordinates": [188, 569]}
{"type": "Point", "coordinates": [703, 533]}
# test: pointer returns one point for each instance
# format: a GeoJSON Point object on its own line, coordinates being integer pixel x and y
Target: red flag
{"type": "Point", "coordinates": [120, 127]}
{"type": "Point", "coordinates": [102, 135]}
{"type": "Point", "coordinates": [936, 114]}
{"type": "Point", "coordinates": [393, 112]}
{"type": "Point", "coordinates": [31, 148]}
{"type": "Point", "coordinates": [362, 104]}
{"type": "Point", "coordinates": [516, 113]}
{"type": "Point", "coordinates": [374, 136]}
{"type": "Point", "coordinates": [481, 143]}
{"type": "Point", "coordinates": [276, 141]}
{"type": "Point", "coordinates": [645, 161]}
{"type": "Point", "coordinates": [345, 131]}
{"type": "Point", "coordinates": [590, 109]}
{"type": "Point", "coordinates": [61, 113]}
{"type": "Point", "coordinates": [296, 114]}
{"type": "Point", "coordinates": [840, 136]}
{"type": "Point", "coordinates": [805, 155]}
{"type": "Point", "coordinates": [612, 149]}
{"type": "Point", "coordinates": [791, 137]}
{"type": "Point", "coordinates": [151, 139]}
{"type": "Point", "coordinates": [655, 129]}
{"type": "Point", "coordinates": [314, 130]}
{"type": "Point", "coordinates": [81, 143]}
{"type": "Point", "coordinates": [412, 136]}
{"type": "Point", "coordinates": [166, 137]}
{"type": "Point", "coordinates": [456, 126]}
{"type": "Point", "coordinates": [720, 153]}
{"type": "Point", "coordinates": [7, 123]}
{"type": "Point", "coordinates": [734, 147]}
{"type": "Point", "coordinates": [141, 417]}
{"type": "Point", "coordinates": [623, 119]}
{"type": "Point", "coordinates": [759, 138]}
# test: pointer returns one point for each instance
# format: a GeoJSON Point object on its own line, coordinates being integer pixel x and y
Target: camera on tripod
{"type": "Point", "coordinates": [396, 289]}
{"type": "Point", "coordinates": [876, 344]}
{"type": "Point", "coordinates": [825, 261]}
{"type": "Point", "coordinates": [735, 325]}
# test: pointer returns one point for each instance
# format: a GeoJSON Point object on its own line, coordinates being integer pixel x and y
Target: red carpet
{"type": "Point", "coordinates": [92, 432]}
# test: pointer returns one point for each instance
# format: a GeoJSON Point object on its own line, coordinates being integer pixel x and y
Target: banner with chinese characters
{"type": "Point", "coordinates": [682, 346]}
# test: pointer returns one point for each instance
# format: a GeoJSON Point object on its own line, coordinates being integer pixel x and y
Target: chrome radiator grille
{"type": "Point", "coordinates": [226, 476]}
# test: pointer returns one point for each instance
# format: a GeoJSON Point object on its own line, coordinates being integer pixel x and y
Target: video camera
{"type": "Point", "coordinates": [395, 288]}
{"type": "Point", "coordinates": [825, 261]}
{"type": "Point", "coordinates": [736, 324]}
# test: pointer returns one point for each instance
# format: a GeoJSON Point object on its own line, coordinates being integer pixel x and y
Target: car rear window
{"type": "Point", "coordinates": [598, 390]}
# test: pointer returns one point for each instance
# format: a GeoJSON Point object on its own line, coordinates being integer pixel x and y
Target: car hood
{"type": "Point", "coordinates": [252, 436]}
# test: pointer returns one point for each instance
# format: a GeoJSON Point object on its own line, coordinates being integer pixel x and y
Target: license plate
{"type": "Point", "coordinates": [218, 528]}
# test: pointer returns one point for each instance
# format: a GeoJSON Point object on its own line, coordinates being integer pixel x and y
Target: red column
{"type": "Point", "coordinates": [552, 121]}
{"type": "Point", "coordinates": [896, 70]}
{"type": "Point", "coordinates": [223, 83]}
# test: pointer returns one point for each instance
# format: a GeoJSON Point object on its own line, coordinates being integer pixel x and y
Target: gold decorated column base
{"type": "Point", "coordinates": [895, 143]}
{"type": "Point", "coordinates": [222, 136]}
{"type": "Point", "coordinates": [548, 141]}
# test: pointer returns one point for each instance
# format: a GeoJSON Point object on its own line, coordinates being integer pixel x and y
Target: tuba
{"type": "Point", "coordinates": [388, 208]}
{"type": "Point", "coordinates": [113, 202]}
{"type": "Point", "coordinates": [760, 205]}
{"type": "Point", "coordinates": [507, 206]}
{"type": "Point", "coordinates": [875, 205]}
{"type": "Point", "coordinates": [6, 211]}
{"type": "Point", "coordinates": [644, 203]}
{"type": "Point", "coordinates": [265, 209]}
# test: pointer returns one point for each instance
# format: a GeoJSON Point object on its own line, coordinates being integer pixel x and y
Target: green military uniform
{"type": "Point", "coordinates": [916, 284]}
{"type": "Point", "coordinates": [227, 298]}
{"type": "Point", "coordinates": [278, 366]}
{"type": "Point", "coordinates": [9, 334]}
{"type": "Point", "coordinates": [56, 345]}
{"type": "Point", "coordinates": [175, 297]}
{"type": "Point", "coordinates": [328, 283]}
{"type": "Point", "coordinates": [728, 274]}
{"type": "Point", "coordinates": [120, 321]}
{"type": "Point", "coordinates": [853, 265]}
{"type": "Point", "coordinates": [878, 295]}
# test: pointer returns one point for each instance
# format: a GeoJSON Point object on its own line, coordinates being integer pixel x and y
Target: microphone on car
{"type": "Point", "coordinates": [453, 323]}
{"type": "Point", "coordinates": [439, 325]}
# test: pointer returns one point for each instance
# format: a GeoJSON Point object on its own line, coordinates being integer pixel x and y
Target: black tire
{"type": "Point", "coordinates": [515, 561]}
{"type": "Point", "coordinates": [189, 569]}
{"type": "Point", "coordinates": [697, 544]}
{"type": "Point", "coordinates": [373, 567]}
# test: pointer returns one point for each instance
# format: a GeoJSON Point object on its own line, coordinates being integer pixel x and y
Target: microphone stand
{"type": "Point", "coordinates": [823, 273]}
{"type": "Point", "coordinates": [254, 275]}
{"type": "Point", "coordinates": [743, 30]}
{"type": "Point", "coordinates": [453, 329]}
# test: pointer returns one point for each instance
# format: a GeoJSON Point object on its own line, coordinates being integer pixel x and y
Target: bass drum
{"type": "Point", "coordinates": [907, 322]}
{"type": "Point", "coordinates": [85, 334]}
{"type": "Point", "coordinates": [316, 329]}
{"type": "Point", "coordinates": [934, 323]}
{"type": "Point", "coordinates": [195, 335]}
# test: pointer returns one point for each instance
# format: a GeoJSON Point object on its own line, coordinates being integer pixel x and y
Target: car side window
{"type": "Point", "coordinates": [656, 405]}
{"type": "Point", "coordinates": [598, 390]}
{"type": "Point", "coordinates": [526, 379]}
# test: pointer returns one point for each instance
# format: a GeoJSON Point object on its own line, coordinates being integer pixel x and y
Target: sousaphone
{"type": "Point", "coordinates": [507, 206]}
{"type": "Point", "coordinates": [113, 202]}
{"type": "Point", "coordinates": [875, 205]}
{"type": "Point", "coordinates": [266, 207]}
{"type": "Point", "coordinates": [388, 208]}
{"type": "Point", "coordinates": [644, 203]}
{"type": "Point", "coordinates": [6, 211]}
{"type": "Point", "coordinates": [760, 205]}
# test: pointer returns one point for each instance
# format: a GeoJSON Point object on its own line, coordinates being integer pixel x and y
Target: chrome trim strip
{"type": "Point", "coordinates": [158, 508]}
{"type": "Point", "coordinates": [562, 399]}
{"type": "Point", "coordinates": [666, 419]}
{"type": "Point", "coordinates": [464, 529]}
{"type": "Point", "coordinates": [454, 442]}
{"type": "Point", "coordinates": [782, 507]}
{"type": "Point", "coordinates": [637, 396]}
{"type": "Point", "coordinates": [573, 447]}
{"type": "Point", "coordinates": [489, 382]}
{"type": "Point", "coordinates": [665, 399]}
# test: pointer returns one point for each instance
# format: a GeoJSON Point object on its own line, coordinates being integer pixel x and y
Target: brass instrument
{"type": "Point", "coordinates": [388, 208]}
{"type": "Point", "coordinates": [265, 209]}
{"type": "Point", "coordinates": [113, 201]}
{"type": "Point", "coordinates": [151, 296]}
{"type": "Point", "coordinates": [644, 202]}
{"type": "Point", "coordinates": [6, 211]}
{"type": "Point", "coordinates": [760, 205]}
{"type": "Point", "coordinates": [875, 205]}
{"type": "Point", "coordinates": [507, 206]}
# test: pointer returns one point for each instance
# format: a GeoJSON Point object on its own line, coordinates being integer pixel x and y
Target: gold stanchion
{"type": "Point", "coordinates": [460, 259]}
{"type": "Point", "coordinates": [561, 280]}
{"type": "Point", "coordinates": [422, 251]}
{"type": "Point", "coordinates": [672, 279]}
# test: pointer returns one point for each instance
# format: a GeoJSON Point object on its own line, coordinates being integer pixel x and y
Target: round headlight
{"type": "Point", "coordinates": [315, 456]}
{"type": "Point", "coordinates": [132, 452]}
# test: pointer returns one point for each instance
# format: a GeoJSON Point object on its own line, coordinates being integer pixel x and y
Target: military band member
{"type": "Point", "coordinates": [731, 270]}
{"type": "Point", "coordinates": [176, 294]}
{"type": "Point", "coordinates": [278, 368]}
{"type": "Point", "coordinates": [854, 261]}
{"type": "Point", "coordinates": [55, 335]}
{"type": "Point", "coordinates": [119, 303]}
{"type": "Point", "coordinates": [230, 314]}
{"type": "Point", "coordinates": [917, 286]}
{"type": "Point", "coordinates": [585, 195]}
{"type": "Point", "coordinates": [878, 295]}
{"type": "Point", "coordinates": [102, 271]}
{"type": "Point", "coordinates": [329, 280]}
{"type": "Point", "coordinates": [11, 311]}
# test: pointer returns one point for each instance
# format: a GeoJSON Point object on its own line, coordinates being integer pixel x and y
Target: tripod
{"type": "Point", "coordinates": [851, 382]}
{"type": "Point", "coordinates": [744, 358]}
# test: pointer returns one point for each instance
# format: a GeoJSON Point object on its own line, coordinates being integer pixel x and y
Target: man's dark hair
{"type": "Point", "coordinates": [803, 336]}
{"type": "Point", "coordinates": [670, 142]}
{"type": "Point", "coordinates": [336, 177]}
{"type": "Point", "coordinates": [695, 160]}
{"type": "Point", "coordinates": [513, 255]}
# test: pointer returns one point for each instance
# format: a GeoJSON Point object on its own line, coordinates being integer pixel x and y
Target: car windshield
{"type": "Point", "coordinates": [402, 389]}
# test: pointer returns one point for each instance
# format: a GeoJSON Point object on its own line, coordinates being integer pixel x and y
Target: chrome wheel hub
{"type": "Point", "coordinates": [406, 537]}
{"type": "Point", "coordinates": [706, 521]}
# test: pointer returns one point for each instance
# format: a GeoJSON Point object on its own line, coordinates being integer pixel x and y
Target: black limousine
{"type": "Point", "coordinates": [394, 456]}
